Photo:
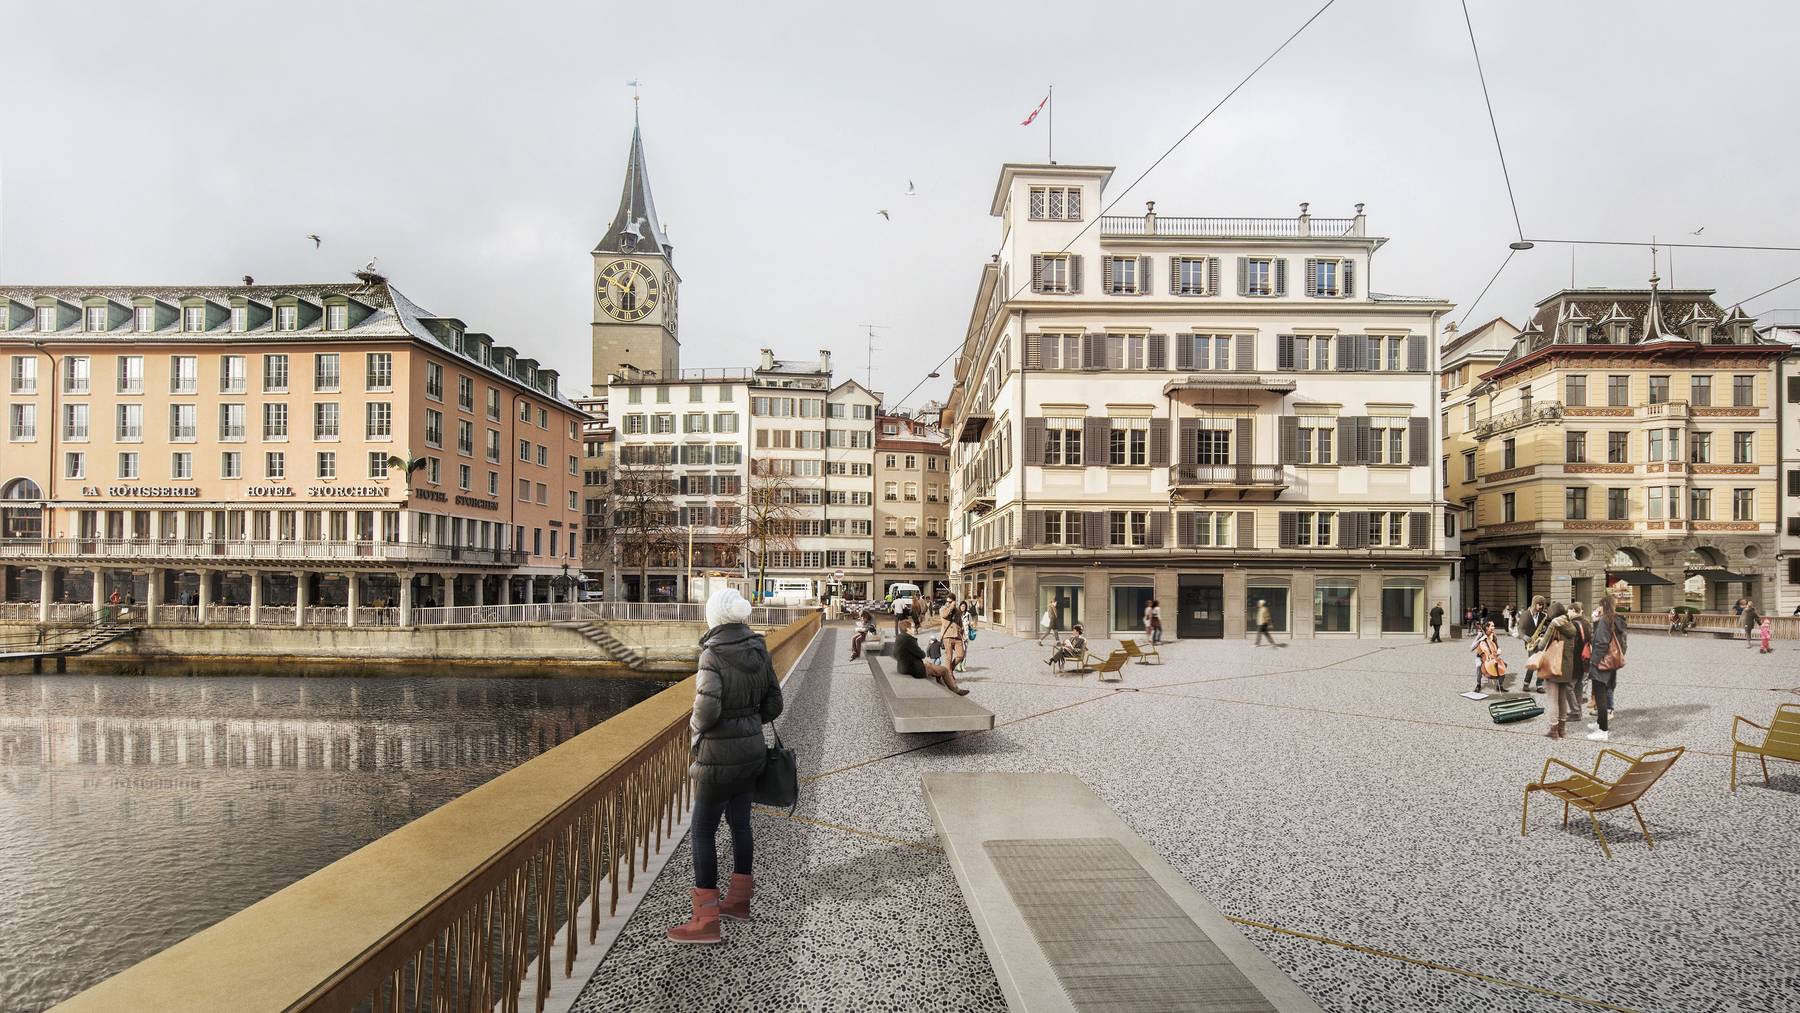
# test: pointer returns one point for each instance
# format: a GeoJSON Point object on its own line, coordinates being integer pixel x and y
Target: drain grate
{"type": "Point", "coordinates": [1116, 940]}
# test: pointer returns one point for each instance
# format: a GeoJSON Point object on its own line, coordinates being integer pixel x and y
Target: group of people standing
{"type": "Point", "coordinates": [1571, 652]}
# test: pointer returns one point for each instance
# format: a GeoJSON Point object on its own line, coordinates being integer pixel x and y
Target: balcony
{"type": "Point", "coordinates": [1303, 227]}
{"type": "Point", "coordinates": [972, 428]}
{"type": "Point", "coordinates": [1205, 481]}
{"type": "Point", "coordinates": [1519, 418]}
{"type": "Point", "coordinates": [253, 552]}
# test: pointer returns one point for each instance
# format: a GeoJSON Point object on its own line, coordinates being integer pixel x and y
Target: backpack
{"type": "Point", "coordinates": [936, 650]}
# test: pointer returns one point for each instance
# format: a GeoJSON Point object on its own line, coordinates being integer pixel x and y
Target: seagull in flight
{"type": "Point", "coordinates": [314, 236]}
{"type": "Point", "coordinates": [911, 191]}
{"type": "Point", "coordinates": [883, 213]}
{"type": "Point", "coordinates": [1698, 231]}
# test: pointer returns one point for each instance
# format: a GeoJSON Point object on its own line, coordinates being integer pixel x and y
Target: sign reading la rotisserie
{"type": "Point", "coordinates": [143, 491]}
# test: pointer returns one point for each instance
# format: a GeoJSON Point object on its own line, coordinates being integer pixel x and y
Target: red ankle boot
{"type": "Point", "coordinates": [703, 927]}
{"type": "Point", "coordinates": [736, 904]}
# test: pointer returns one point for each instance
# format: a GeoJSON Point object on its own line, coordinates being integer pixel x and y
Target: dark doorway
{"type": "Point", "coordinates": [1202, 607]}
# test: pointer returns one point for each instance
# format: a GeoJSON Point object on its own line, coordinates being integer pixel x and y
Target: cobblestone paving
{"type": "Point", "coordinates": [1339, 793]}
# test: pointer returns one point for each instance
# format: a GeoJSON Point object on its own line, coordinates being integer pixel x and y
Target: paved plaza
{"type": "Point", "coordinates": [1338, 794]}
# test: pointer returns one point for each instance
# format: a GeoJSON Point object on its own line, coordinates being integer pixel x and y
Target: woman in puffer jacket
{"type": "Point", "coordinates": [737, 692]}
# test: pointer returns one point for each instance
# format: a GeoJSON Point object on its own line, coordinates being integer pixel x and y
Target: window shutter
{"type": "Point", "coordinates": [1243, 275]}
{"type": "Point", "coordinates": [1159, 530]}
{"type": "Point", "coordinates": [1212, 276]}
{"type": "Point", "coordinates": [1090, 349]}
{"type": "Point", "coordinates": [1290, 440]}
{"type": "Point", "coordinates": [1281, 276]}
{"type": "Point", "coordinates": [1159, 444]}
{"type": "Point", "coordinates": [1794, 390]}
{"type": "Point", "coordinates": [1246, 351]}
{"type": "Point", "coordinates": [1184, 529]}
{"type": "Point", "coordinates": [1288, 534]}
{"type": "Point", "coordinates": [1415, 353]}
{"type": "Point", "coordinates": [1096, 441]}
{"type": "Point", "coordinates": [1175, 276]}
{"type": "Point", "coordinates": [1418, 434]}
{"type": "Point", "coordinates": [1246, 529]}
{"type": "Point", "coordinates": [1284, 351]}
{"type": "Point", "coordinates": [1312, 276]}
{"type": "Point", "coordinates": [1346, 440]}
{"type": "Point", "coordinates": [1106, 274]}
{"type": "Point", "coordinates": [1034, 441]}
{"type": "Point", "coordinates": [1793, 482]}
{"type": "Point", "coordinates": [1047, 347]}
{"type": "Point", "coordinates": [1364, 453]}
{"type": "Point", "coordinates": [1093, 529]}
{"type": "Point", "coordinates": [1420, 523]}
{"type": "Point", "coordinates": [1245, 451]}
{"type": "Point", "coordinates": [1184, 351]}
{"type": "Point", "coordinates": [1190, 441]}
{"type": "Point", "coordinates": [1034, 351]}
{"type": "Point", "coordinates": [1143, 275]}
{"type": "Point", "coordinates": [1034, 527]}
{"type": "Point", "coordinates": [1353, 529]}
{"type": "Point", "coordinates": [1346, 352]}
{"type": "Point", "coordinates": [1075, 275]}
{"type": "Point", "coordinates": [1359, 346]}
{"type": "Point", "coordinates": [1037, 272]}
{"type": "Point", "coordinates": [1156, 352]}
{"type": "Point", "coordinates": [1349, 278]}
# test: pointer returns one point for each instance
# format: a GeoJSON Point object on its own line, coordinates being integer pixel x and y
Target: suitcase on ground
{"type": "Point", "coordinates": [1505, 712]}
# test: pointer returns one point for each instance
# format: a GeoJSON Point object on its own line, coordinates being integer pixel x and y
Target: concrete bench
{"type": "Point", "coordinates": [1077, 913]}
{"type": "Point", "coordinates": [921, 705]}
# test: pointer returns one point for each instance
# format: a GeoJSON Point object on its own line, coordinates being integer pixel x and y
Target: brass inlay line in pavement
{"type": "Point", "coordinates": [1435, 966]}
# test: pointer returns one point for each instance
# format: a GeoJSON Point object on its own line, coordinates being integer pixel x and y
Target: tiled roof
{"type": "Point", "coordinates": [637, 211]}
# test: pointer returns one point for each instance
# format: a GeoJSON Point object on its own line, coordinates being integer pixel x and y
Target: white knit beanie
{"type": "Point", "coordinates": [726, 606]}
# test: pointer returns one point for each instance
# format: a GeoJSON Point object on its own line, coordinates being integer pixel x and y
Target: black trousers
{"type": "Point", "coordinates": [707, 811]}
{"type": "Point", "coordinates": [1435, 629]}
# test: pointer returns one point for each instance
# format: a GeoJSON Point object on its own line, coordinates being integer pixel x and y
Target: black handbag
{"type": "Point", "coordinates": [779, 783]}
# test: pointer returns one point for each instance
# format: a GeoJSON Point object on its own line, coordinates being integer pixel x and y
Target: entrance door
{"type": "Point", "coordinates": [1202, 607]}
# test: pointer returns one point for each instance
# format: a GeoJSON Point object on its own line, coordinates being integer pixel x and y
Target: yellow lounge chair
{"type": "Point", "coordinates": [1142, 654]}
{"type": "Point", "coordinates": [1592, 795]}
{"type": "Point", "coordinates": [1781, 739]}
{"type": "Point", "coordinates": [1109, 670]}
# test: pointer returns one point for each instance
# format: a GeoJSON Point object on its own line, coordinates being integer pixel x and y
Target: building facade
{"type": "Point", "coordinates": [1210, 413]}
{"type": "Point", "coordinates": [912, 508]}
{"type": "Point", "coordinates": [276, 451]}
{"type": "Point", "coordinates": [1626, 442]}
{"type": "Point", "coordinates": [1783, 327]}
{"type": "Point", "coordinates": [1463, 359]}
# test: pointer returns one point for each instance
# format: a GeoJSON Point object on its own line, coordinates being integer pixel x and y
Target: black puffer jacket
{"type": "Point", "coordinates": [737, 693]}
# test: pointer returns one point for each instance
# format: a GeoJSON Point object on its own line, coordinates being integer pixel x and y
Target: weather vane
{"type": "Point", "coordinates": [633, 85]}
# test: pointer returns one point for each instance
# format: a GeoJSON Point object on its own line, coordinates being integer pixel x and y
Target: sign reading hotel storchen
{"type": "Point", "coordinates": [144, 491]}
{"type": "Point", "coordinates": [346, 491]}
{"type": "Point", "coordinates": [478, 503]}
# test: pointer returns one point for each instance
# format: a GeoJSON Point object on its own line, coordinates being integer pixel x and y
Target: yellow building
{"type": "Point", "coordinates": [1627, 441]}
{"type": "Point", "coordinates": [1465, 356]}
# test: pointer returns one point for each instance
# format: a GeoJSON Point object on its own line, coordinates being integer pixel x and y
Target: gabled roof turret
{"type": "Point", "coordinates": [635, 227]}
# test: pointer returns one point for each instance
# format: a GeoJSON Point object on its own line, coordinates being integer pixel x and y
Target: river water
{"type": "Point", "coordinates": [137, 810]}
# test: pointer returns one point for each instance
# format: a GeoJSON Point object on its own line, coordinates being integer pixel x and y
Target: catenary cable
{"type": "Point", "coordinates": [1492, 124]}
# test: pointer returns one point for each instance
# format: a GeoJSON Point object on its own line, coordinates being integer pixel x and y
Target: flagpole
{"type": "Point", "coordinates": [1051, 112]}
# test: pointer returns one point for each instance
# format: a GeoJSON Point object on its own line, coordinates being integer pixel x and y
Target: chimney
{"type": "Point", "coordinates": [768, 359]}
{"type": "Point", "coordinates": [824, 360]}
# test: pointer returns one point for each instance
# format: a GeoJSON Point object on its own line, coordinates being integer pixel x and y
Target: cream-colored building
{"type": "Point", "coordinates": [276, 453]}
{"type": "Point", "coordinates": [1463, 359]}
{"type": "Point", "coordinates": [1783, 326]}
{"type": "Point", "coordinates": [1626, 442]}
{"type": "Point", "coordinates": [1205, 412]}
{"type": "Point", "coordinates": [912, 505]}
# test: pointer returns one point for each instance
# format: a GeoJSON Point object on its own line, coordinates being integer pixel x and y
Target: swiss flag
{"type": "Point", "coordinates": [1034, 112]}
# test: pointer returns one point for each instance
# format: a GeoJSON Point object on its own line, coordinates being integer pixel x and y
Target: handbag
{"type": "Point", "coordinates": [1615, 656]}
{"type": "Point", "coordinates": [971, 635]}
{"type": "Point", "coordinates": [779, 783]}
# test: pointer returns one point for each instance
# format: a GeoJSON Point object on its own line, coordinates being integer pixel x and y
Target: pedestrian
{"type": "Point", "coordinates": [1437, 622]}
{"type": "Point", "coordinates": [1752, 619]}
{"type": "Point", "coordinates": [1510, 618]}
{"type": "Point", "coordinates": [909, 659]}
{"type": "Point", "coordinates": [1608, 650]}
{"type": "Point", "coordinates": [1046, 624]}
{"type": "Point", "coordinates": [1468, 623]}
{"type": "Point", "coordinates": [1263, 619]}
{"type": "Point", "coordinates": [1073, 649]}
{"type": "Point", "coordinates": [956, 649]}
{"type": "Point", "coordinates": [1767, 633]}
{"type": "Point", "coordinates": [1529, 625]}
{"type": "Point", "coordinates": [864, 627]}
{"type": "Point", "coordinates": [1487, 657]}
{"type": "Point", "coordinates": [1568, 636]}
{"type": "Point", "coordinates": [736, 693]}
{"type": "Point", "coordinates": [1737, 607]}
{"type": "Point", "coordinates": [1153, 622]}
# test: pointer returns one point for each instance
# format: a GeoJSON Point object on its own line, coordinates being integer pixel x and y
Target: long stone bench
{"type": "Point", "coordinates": [1077, 913]}
{"type": "Point", "coordinates": [922, 705]}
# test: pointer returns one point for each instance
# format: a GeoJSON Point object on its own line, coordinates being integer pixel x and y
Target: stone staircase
{"type": "Point", "coordinates": [614, 648]}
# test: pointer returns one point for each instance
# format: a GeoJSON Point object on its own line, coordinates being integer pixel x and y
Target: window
{"type": "Point", "coordinates": [1312, 352]}
{"type": "Point", "coordinates": [693, 422]}
{"type": "Point", "coordinates": [143, 318]}
{"type": "Point", "coordinates": [1122, 275]}
{"type": "Point", "coordinates": [275, 421]}
{"type": "Point", "coordinates": [725, 422]}
{"type": "Point", "coordinates": [337, 317]}
{"type": "Point", "coordinates": [1195, 275]}
{"type": "Point", "coordinates": [379, 421]}
{"type": "Point", "coordinates": [74, 465]}
{"type": "Point", "coordinates": [1743, 448]}
{"type": "Point", "coordinates": [1659, 390]}
{"type": "Point", "coordinates": [1214, 529]}
{"type": "Point", "coordinates": [287, 318]}
{"type": "Point", "coordinates": [662, 423]}
{"type": "Point", "coordinates": [184, 422]}
{"type": "Point", "coordinates": [181, 465]}
{"type": "Point", "coordinates": [128, 466]}
{"type": "Point", "coordinates": [1700, 504]}
{"type": "Point", "coordinates": [23, 374]}
{"type": "Point", "coordinates": [1326, 278]}
{"type": "Point", "coordinates": [325, 371]}
{"type": "Point", "coordinates": [1402, 606]}
{"type": "Point", "coordinates": [1468, 465]}
{"type": "Point", "coordinates": [1313, 440]}
{"type": "Point", "coordinates": [1129, 442]}
{"type": "Point", "coordinates": [76, 376]}
{"type": "Point", "coordinates": [1054, 273]}
{"type": "Point", "coordinates": [493, 403]}
{"type": "Point", "coordinates": [1209, 351]}
{"type": "Point", "coordinates": [1062, 440]}
{"type": "Point", "coordinates": [379, 372]}
{"type": "Point", "coordinates": [463, 476]}
{"type": "Point", "coordinates": [231, 464]}
{"type": "Point", "coordinates": [493, 445]}
{"type": "Point", "coordinates": [231, 422]}
{"type": "Point", "coordinates": [543, 457]}
{"type": "Point", "coordinates": [275, 465]}
{"type": "Point", "coordinates": [1618, 504]}
{"type": "Point", "coordinates": [543, 416]}
{"type": "Point", "coordinates": [96, 318]}
{"type": "Point", "coordinates": [1575, 391]}
{"type": "Point", "coordinates": [465, 437]}
{"type": "Point", "coordinates": [326, 464]}
{"type": "Point", "coordinates": [1313, 528]}
{"type": "Point", "coordinates": [1654, 502]}
{"type": "Point", "coordinates": [378, 464]}
{"type": "Point", "coordinates": [634, 425]}
{"type": "Point", "coordinates": [493, 483]}
{"type": "Point", "coordinates": [1259, 276]}
{"type": "Point", "coordinates": [1700, 389]}
{"type": "Point", "coordinates": [275, 373]}
{"type": "Point", "coordinates": [193, 319]}
{"type": "Point", "coordinates": [1508, 508]}
{"type": "Point", "coordinates": [1509, 455]}
{"type": "Point", "coordinates": [129, 423]}
{"type": "Point", "coordinates": [234, 374]}
{"type": "Point", "coordinates": [1618, 391]}
{"type": "Point", "coordinates": [1699, 448]}
{"type": "Point", "coordinates": [1062, 527]}
{"type": "Point", "coordinates": [1575, 447]}
{"type": "Point", "coordinates": [325, 420]}
{"type": "Point", "coordinates": [1128, 527]}
{"type": "Point", "coordinates": [1656, 444]}
{"type": "Point", "coordinates": [465, 393]}
{"type": "Point", "coordinates": [131, 374]}
{"type": "Point", "coordinates": [525, 411]}
{"type": "Point", "coordinates": [434, 381]}
{"type": "Point", "coordinates": [1387, 440]}
{"type": "Point", "coordinates": [1334, 606]}
{"type": "Point", "coordinates": [75, 422]}
{"type": "Point", "coordinates": [1055, 203]}
{"type": "Point", "coordinates": [1743, 504]}
{"type": "Point", "coordinates": [1618, 448]}
{"type": "Point", "coordinates": [1212, 444]}
{"type": "Point", "coordinates": [1387, 527]}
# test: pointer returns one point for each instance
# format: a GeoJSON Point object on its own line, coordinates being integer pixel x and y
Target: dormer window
{"type": "Point", "coordinates": [1617, 333]}
{"type": "Point", "coordinates": [287, 318]}
{"type": "Point", "coordinates": [1056, 203]}
{"type": "Point", "coordinates": [193, 319]}
{"type": "Point", "coordinates": [1742, 334]}
{"type": "Point", "coordinates": [46, 318]}
{"type": "Point", "coordinates": [240, 319]}
{"type": "Point", "coordinates": [337, 317]}
{"type": "Point", "coordinates": [96, 318]}
{"type": "Point", "coordinates": [144, 319]}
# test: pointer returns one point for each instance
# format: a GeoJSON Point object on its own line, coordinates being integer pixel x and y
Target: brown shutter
{"type": "Point", "coordinates": [1349, 278]}
{"type": "Point", "coordinates": [1364, 452]}
{"type": "Point", "coordinates": [1243, 275]}
{"type": "Point", "coordinates": [1351, 448]}
{"type": "Point", "coordinates": [1037, 272]}
{"type": "Point", "coordinates": [1246, 351]}
{"type": "Point", "coordinates": [1156, 352]}
{"type": "Point", "coordinates": [1212, 276]}
{"type": "Point", "coordinates": [1312, 276]}
{"type": "Point", "coordinates": [1288, 530]}
{"type": "Point", "coordinates": [1144, 275]}
{"type": "Point", "coordinates": [1159, 529]}
{"type": "Point", "coordinates": [1159, 444]}
{"type": "Point", "coordinates": [1246, 529]}
{"type": "Point", "coordinates": [1175, 276]}
{"type": "Point", "coordinates": [1190, 440]}
{"type": "Point", "coordinates": [1362, 343]}
{"type": "Point", "coordinates": [1184, 351]}
{"type": "Point", "coordinates": [1096, 438]}
{"type": "Point", "coordinates": [1034, 527]}
{"type": "Point", "coordinates": [1281, 276]}
{"type": "Point", "coordinates": [1088, 342]}
{"type": "Point", "coordinates": [1034, 351]}
{"type": "Point", "coordinates": [1106, 274]}
{"type": "Point", "coordinates": [1184, 529]}
{"type": "Point", "coordinates": [1034, 441]}
{"type": "Point", "coordinates": [1418, 434]}
{"type": "Point", "coordinates": [1289, 430]}
{"type": "Point", "coordinates": [1420, 522]}
{"type": "Point", "coordinates": [1353, 529]}
{"type": "Point", "coordinates": [1415, 353]}
{"type": "Point", "coordinates": [1245, 451]}
{"type": "Point", "coordinates": [1346, 353]}
{"type": "Point", "coordinates": [1075, 275]}
{"type": "Point", "coordinates": [1093, 529]}
{"type": "Point", "coordinates": [1284, 351]}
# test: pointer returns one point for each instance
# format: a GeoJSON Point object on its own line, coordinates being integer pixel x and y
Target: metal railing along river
{"type": "Point", "coordinates": [594, 611]}
{"type": "Point", "coordinates": [463, 908]}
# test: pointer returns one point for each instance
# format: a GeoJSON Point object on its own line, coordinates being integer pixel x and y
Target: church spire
{"type": "Point", "coordinates": [635, 228]}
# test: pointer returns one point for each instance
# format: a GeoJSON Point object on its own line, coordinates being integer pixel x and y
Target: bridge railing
{"type": "Point", "coordinates": [473, 905]}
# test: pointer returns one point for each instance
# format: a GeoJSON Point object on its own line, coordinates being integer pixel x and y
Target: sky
{"type": "Point", "coordinates": [478, 149]}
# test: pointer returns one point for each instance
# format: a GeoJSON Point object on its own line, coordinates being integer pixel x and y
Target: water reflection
{"type": "Point", "coordinates": [136, 810]}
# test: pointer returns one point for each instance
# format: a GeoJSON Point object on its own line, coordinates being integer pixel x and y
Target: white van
{"type": "Point", "coordinates": [904, 594]}
{"type": "Point", "coordinates": [789, 593]}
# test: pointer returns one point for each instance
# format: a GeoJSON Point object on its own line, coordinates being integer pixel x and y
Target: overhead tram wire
{"type": "Point", "coordinates": [1152, 168]}
{"type": "Point", "coordinates": [1510, 253]}
{"type": "Point", "coordinates": [1664, 246]}
{"type": "Point", "coordinates": [1523, 243]}
{"type": "Point", "coordinates": [1766, 291]}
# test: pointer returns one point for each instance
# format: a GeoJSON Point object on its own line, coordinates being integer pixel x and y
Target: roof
{"type": "Point", "coordinates": [1424, 299]}
{"type": "Point", "coordinates": [1498, 333]}
{"type": "Point", "coordinates": [1584, 316]}
{"type": "Point", "coordinates": [1050, 171]}
{"type": "Point", "coordinates": [635, 227]}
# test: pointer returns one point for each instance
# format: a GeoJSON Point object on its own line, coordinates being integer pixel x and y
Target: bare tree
{"type": "Point", "coordinates": [770, 514]}
{"type": "Point", "coordinates": [643, 523]}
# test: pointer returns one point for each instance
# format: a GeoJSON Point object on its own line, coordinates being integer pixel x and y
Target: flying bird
{"type": "Point", "coordinates": [1698, 231]}
{"type": "Point", "coordinates": [911, 191]}
{"type": "Point", "coordinates": [314, 236]}
{"type": "Point", "coordinates": [883, 213]}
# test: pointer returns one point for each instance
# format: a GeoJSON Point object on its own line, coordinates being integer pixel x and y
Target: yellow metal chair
{"type": "Point", "coordinates": [1592, 795]}
{"type": "Point", "coordinates": [1781, 739]}
{"type": "Point", "coordinates": [1110, 669]}
{"type": "Point", "coordinates": [1142, 654]}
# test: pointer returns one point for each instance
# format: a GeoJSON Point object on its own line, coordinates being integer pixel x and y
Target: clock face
{"type": "Point", "coordinates": [669, 287]}
{"type": "Point", "coordinates": [626, 290]}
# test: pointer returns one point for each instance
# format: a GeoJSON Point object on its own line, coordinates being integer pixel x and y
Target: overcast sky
{"type": "Point", "coordinates": [478, 149]}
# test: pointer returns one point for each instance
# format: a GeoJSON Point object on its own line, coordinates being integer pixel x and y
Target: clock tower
{"type": "Point", "coordinates": [634, 291]}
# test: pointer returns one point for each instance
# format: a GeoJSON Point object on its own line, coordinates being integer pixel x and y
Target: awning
{"type": "Point", "coordinates": [1721, 576]}
{"type": "Point", "coordinates": [1638, 578]}
{"type": "Point", "coordinates": [1273, 385]}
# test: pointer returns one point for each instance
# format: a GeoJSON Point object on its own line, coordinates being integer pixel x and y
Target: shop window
{"type": "Point", "coordinates": [1334, 607]}
{"type": "Point", "coordinates": [1064, 602]}
{"type": "Point", "coordinates": [1128, 603]}
{"type": "Point", "coordinates": [1275, 595]}
{"type": "Point", "coordinates": [1402, 606]}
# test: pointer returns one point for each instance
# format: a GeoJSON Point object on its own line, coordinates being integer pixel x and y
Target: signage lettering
{"type": "Point", "coordinates": [270, 491]}
{"type": "Point", "coordinates": [431, 494]}
{"type": "Point", "coordinates": [144, 491]}
{"type": "Point", "coordinates": [346, 491]}
{"type": "Point", "coordinates": [480, 504]}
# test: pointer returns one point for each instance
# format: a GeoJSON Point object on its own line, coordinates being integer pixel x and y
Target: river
{"type": "Point", "coordinates": [137, 810]}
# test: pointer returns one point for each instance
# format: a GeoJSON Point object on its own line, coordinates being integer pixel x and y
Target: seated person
{"type": "Point", "coordinates": [909, 659]}
{"type": "Point", "coordinates": [1073, 649]}
{"type": "Point", "coordinates": [1674, 619]}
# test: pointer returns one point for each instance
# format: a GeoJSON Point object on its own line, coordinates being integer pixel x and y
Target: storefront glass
{"type": "Point", "coordinates": [1128, 602]}
{"type": "Point", "coordinates": [1276, 596]}
{"type": "Point", "coordinates": [1402, 606]}
{"type": "Point", "coordinates": [1334, 607]}
{"type": "Point", "coordinates": [1064, 603]}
